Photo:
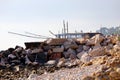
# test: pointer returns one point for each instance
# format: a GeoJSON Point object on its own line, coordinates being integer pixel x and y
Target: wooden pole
{"type": "Point", "coordinates": [67, 26]}
{"type": "Point", "coordinates": [64, 29]}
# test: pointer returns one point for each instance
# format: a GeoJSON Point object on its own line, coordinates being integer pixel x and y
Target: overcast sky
{"type": "Point", "coordinates": [40, 16]}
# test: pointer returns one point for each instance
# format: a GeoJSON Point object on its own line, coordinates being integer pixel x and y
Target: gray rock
{"type": "Point", "coordinates": [79, 49]}
{"type": "Point", "coordinates": [85, 58]}
{"type": "Point", "coordinates": [86, 48]}
{"type": "Point", "coordinates": [80, 54]}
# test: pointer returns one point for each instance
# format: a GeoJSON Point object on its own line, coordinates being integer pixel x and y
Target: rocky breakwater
{"type": "Point", "coordinates": [95, 58]}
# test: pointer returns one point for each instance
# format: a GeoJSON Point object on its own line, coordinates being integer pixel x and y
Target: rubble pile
{"type": "Point", "coordinates": [95, 58]}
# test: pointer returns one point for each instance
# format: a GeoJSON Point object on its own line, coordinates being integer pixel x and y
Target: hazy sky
{"type": "Point", "coordinates": [40, 16]}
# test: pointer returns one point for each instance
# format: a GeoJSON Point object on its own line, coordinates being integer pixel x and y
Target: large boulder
{"type": "Point", "coordinates": [90, 42]}
{"type": "Point", "coordinates": [72, 53]}
{"type": "Point", "coordinates": [98, 38]}
{"type": "Point", "coordinates": [66, 54]}
{"type": "Point", "coordinates": [70, 44]}
{"type": "Point", "coordinates": [95, 39]}
{"type": "Point", "coordinates": [100, 51]}
{"type": "Point", "coordinates": [79, 49]}
{"type": "Point", "coordinates": [80, 54]}
{"type": "Point", "coordinates": [86, 48]}
{"type": "Point", "coordinates": [67, 44]}
{"type": "Point", "coordinates": [85, 58]}
{"type": "Point", "coordinates": [57, 49]}
{"type": "Point", "coordinates": [37, 50]}
{"type": "Point", "coordinates": [82, 40]}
